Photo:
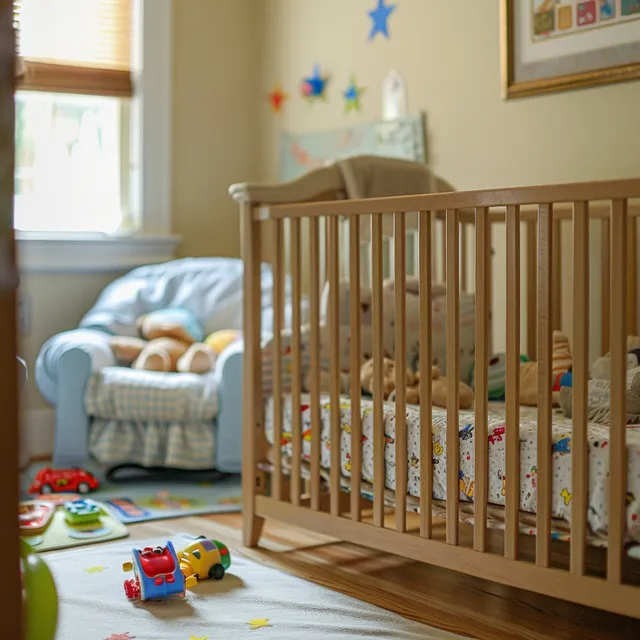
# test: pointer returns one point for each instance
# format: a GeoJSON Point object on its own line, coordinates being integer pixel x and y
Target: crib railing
{"type": "Point", "coordinates": [326, 506]}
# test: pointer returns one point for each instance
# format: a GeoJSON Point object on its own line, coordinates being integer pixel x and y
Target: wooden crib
{"type": "Point", "coordinates": [281, 225]}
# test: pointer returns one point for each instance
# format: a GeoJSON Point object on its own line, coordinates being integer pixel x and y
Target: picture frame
{"type": "Point", "coordinates": [549, 46]}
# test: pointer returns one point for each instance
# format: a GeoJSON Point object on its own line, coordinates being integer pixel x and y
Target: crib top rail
{"type": "Point", "coordinates": [460, 200]}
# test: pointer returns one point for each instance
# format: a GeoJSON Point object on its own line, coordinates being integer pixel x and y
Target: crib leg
{"type": "Point", "coordinates": [252, 530]}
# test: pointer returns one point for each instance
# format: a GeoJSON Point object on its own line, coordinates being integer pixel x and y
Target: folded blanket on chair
{"type": "Point", "coordinates": [377, 176]}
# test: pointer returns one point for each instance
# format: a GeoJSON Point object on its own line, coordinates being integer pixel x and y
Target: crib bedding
{"type": "Point", "coordinates": [561, 461]}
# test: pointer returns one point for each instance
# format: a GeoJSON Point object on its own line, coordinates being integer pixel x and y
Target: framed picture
{"type": "Point", "coordinates": [557, 45]}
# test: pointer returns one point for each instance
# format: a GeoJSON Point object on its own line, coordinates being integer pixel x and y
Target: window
{"type": "Point", "coordinates": [93, 134]}
{"type": "Point", "coordinates": [72, 110]}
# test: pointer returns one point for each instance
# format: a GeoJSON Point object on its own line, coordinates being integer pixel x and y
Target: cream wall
{"type": "Point", "coordinates": [214, 125]}
{"type": "Point", "coordinates": [448, 53]}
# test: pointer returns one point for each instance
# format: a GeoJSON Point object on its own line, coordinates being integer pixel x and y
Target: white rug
{"type": "Point", "coordinates": [279, 606]}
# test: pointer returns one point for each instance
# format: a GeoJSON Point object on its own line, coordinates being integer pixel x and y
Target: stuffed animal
{"type": "Point", "coordinates": [170, 340]}
{"type": "Point", "coordinates": [412, 391]}
{"type": "Point", "coordinates": [528, 393]}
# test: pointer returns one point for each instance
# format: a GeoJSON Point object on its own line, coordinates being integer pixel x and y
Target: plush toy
{"type": "Point", "coordinates": [170, 340]}
{"type": "Point", "coordinates": [412, 391]}
{"type": "Point", "coordinates": [220, 340]}
{"type": "Point", "coordinates": [528, 393]}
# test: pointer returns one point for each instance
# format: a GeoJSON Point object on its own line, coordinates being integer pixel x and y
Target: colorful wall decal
{"type": "Point", "coordinates": [352, 95]}
{"type": "Point", "coordinates": [380, 16]}
{"type": "Point", "coordinates": [277, 98]}
{"type": "Point", "coordinates": [315, 85]}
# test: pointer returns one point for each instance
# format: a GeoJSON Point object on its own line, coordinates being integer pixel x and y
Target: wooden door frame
{"type": "Point", "coordinates": [10, 590]}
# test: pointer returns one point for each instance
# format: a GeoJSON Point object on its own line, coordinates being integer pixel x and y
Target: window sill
{"type": "Point", "coordinates": [95, 253]}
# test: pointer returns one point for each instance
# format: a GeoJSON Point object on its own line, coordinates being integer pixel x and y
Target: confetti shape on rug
{"type": "Point", "coordinates": [96, 569]}
{"type": "Point", "coordinates": [199, 637]}
{"type": "Point", "coordinates": [258, 623]}
{"type": "Point", "coordinates": [120, 636]}
{"type": "Point", "coordinates": [380, 16]}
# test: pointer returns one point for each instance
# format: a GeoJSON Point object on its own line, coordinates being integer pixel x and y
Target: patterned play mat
{"type": "Point", "coordinates": [142, 497]}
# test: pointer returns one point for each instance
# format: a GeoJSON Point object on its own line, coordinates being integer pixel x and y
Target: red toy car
{"type": "Point", "coordinates": [63, 480]}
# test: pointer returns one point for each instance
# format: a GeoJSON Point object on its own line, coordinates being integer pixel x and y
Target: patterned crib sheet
{"type": "Point", "coordinates": [561, 459]}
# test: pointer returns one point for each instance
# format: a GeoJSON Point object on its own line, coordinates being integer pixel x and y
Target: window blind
{"type": "Point", "coordinates": [75, 46]}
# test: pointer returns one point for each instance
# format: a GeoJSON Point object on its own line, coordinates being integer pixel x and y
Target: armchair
{"type": "Point", "coordinates": [75, 362]}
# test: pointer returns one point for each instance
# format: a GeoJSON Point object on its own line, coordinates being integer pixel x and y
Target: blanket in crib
{"type": "Point", "coordinates": [598, 509]}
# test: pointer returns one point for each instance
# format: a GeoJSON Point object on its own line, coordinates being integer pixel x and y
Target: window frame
{"type": "Point", "coordinates": [149, 177]}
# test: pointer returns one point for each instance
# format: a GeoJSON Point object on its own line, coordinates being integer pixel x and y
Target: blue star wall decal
{"type": "Point", "coordinates": [380, 16]}
{"type": "Point", "coordinates": [315, 85]}
{"type": "Point", "coordinates": [352, 96]}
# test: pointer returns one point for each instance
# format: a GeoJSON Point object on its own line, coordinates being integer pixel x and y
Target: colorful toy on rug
{"type": "Point", "coordinates": [412, 390]}
{"type": "Point", "coordinates": [39, 596]}
{"type": "Point", "coordinates": [50, 480]}
{"type": "Point", "coordinates": [496, 375]}
{"type": "Point", "coordinates": [48, 524]}
{"type": "Point", "coordinates": [159, 572]}
{"type": "Point", "coordinates": [599, 388]}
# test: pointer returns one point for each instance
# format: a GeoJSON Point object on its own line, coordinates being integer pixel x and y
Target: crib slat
{"type": "Point", "coordinates": [314, 345]}
{"type": "Point", "coordinates": [546, 229]}
{"type": "Point", "coordinates": [355, 363]}
{"type": "Point", "coordinates": [618, 429]}
{"type": "Point", "coordinates": [512, 466]}
{"type": "Point", "coordinates": [556, 290]}
{"type": "Point", "coordinates": [334, 359]}
{"type": "Point", "coordinates": [579, 441]}
{"type": "Point", "coordinates": [453, 373]}
{"type": "Point", "coordinates": [278, 309]}
{"type": "Point", "coordinates": [464, 269]}
{"type": "Point", "coordinates": [426, 269]}
{"type": "Point", "coordinates": [605, 240]}
{"type": "Point", "coordinates": [399, 231]}
{"type": "Point", "coordinates": [632, 277]}
{"type": "Point", "coordinates": [296, 369]}
{"type": "Point", "coordinates": [378, 419]}
{"type": "Point", "coordinates": [532, 289]}
{"type": "Point", "coordinates": [480, 495]}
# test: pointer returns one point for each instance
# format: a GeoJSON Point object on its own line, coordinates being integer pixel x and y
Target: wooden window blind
{"type": "Point", "coordinates": [75, 46]}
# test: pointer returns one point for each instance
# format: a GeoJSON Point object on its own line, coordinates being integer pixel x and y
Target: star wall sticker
{"type": "Point", "coordinates": [258, 623]}
{"type": "Point", "coordinates": [352, 95]}
{"type": "Point", "coordinates": [277, 98]}
{"type": "Point", "coordinates": [199, 637]}
{"type": "Point", "coordinates": [380, 16]}
{"type": "Point", "coordinates": [315, 85]}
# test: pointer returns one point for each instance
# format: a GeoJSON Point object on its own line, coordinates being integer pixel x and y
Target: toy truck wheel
{"type": "Point", "coordinates": [83, 487]}
{"type": "Point", "coordinates": [132, 589]}
{"type": "Point", "coordinates": [216, 572]}
{"type": "Point", "coordinates": [46, 489]}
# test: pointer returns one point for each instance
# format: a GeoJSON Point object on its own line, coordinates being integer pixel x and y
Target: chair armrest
{"type": "Point", "coordinates": [229, 385]}
{"type": "Point", "coordinates": [62, 370]}
{"type": "Point", "coordinates": [94, 345]}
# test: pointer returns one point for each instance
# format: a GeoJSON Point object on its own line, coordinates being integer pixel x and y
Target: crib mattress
{"type": "Point", "coordinates": [561, 459]}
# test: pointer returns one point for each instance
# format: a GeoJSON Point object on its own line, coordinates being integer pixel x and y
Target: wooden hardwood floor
{"type": "Point", "coordinates": [436, 597]}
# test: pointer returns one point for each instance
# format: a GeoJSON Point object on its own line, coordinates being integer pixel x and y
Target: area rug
{"type": "Point", "coordinates": [141, 496]}
{"type": "Point", "coordinates": [252, 601]}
